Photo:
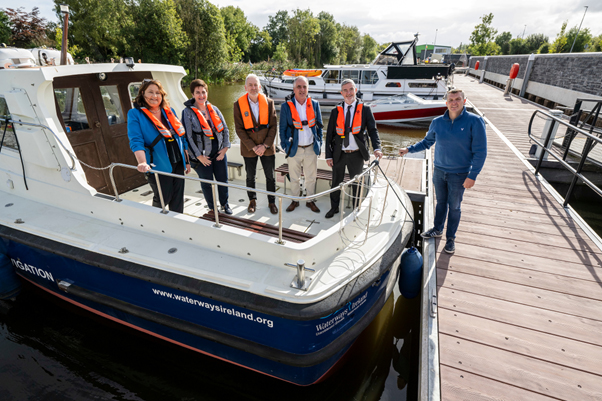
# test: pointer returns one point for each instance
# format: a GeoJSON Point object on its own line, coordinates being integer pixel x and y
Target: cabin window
{"type": "Point", "coordinates": [112, 104]}
{"type": "Point", "coordinates": [7, 135]}
{"type": "Point", "coordinates": [312, 82]}
{"type": "Point", "coordinates": [422, 85]}
{"type": "Point", "coordinates": [351, 74]}
{"type": "Point", "coordinates": [133, 88]}
{"type": "Point", "coordinates": [71, 106]}
{"type": "Point", "coordinates": [369, 77]}
{"type": "Point", "coordinates": [393, 85]}
{"type": "Point", "coordinates": [332, 77]}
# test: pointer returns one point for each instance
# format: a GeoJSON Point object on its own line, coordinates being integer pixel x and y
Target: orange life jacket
{"type": "Point", "coordinates": [309, 111]}
{"type": "Point", "coordinates": [357, 120]}
{"type": "Point", "coordinates": [173, 120]}
{"type": "Point", "coordinates": [245, 110]}
{"type": "Point", "coordinates": [219, 126]}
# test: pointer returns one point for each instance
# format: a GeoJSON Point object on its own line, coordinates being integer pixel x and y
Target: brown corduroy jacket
{"type": "Point", "coordinates": [253, 137]}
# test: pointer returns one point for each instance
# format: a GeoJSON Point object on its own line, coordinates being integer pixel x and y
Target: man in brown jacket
{"type": "Point", "coordinates": [256, 126]}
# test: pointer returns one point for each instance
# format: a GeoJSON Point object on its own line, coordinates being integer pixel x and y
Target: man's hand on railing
{"type": "Point", "coordinates": [143, 167]}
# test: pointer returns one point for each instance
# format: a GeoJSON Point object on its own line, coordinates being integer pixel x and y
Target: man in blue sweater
{"type": "Point", "coordinates": [459, 157]}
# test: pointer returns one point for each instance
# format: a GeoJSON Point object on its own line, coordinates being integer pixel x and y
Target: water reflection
{"type": "Point", "coordinates": [53, 351]}
{"type": "Point", "coordinates": [393, 138]}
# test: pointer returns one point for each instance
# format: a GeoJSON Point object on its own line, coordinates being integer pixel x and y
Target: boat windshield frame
{"type": "Point", "coordinates": [398, 51]}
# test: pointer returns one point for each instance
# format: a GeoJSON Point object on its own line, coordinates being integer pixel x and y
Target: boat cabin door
{"type": "Point", "coordinates": [93, 112]}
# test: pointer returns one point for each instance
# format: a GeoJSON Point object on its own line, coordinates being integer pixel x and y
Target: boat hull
{"type": "Point", "coordinates": [408, 115]}
{"type": "Point", "coordinates": [295, 343]}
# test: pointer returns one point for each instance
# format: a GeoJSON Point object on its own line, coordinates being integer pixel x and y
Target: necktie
{"type": "Point", "coordinates": [347, 127]}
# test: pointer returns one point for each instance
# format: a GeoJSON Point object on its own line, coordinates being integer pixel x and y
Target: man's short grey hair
{"type": "Point", "coordinates": [456, 90]}
{"type": "Point", "coordinates": [303, 78]}
{"type": "Point", "coordinates": [252, 76]}
{"type": "Point", "coordinates": [347, 81]}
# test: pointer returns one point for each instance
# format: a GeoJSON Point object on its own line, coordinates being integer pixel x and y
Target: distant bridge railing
{"type": "Point", "coordinates": [590, 142]}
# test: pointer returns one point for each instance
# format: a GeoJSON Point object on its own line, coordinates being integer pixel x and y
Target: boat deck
{"type": "Point", "coordinates": [520, 302]}
{"type": "Point", "coordinates": [302, 219]}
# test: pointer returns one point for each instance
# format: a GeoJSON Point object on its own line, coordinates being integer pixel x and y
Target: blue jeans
{"type": "Point", "coordinates": [219, 169]}
{"type": "Point", "coordinates": [449, 190]}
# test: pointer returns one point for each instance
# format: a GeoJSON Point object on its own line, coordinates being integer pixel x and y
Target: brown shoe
{"type": "Point", "coordinates": [252, 206]}
{"type": "Point", "coordinates": [273, 208]}
{"type": "Point", "coordinates": [313, 207]}
{"type": "Point", "coordinates": [292, 206]}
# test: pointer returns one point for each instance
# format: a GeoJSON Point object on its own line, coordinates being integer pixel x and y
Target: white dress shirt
{"type": "Point", "coordinates": [306, 136]}
{"type": "Point", "coordinates": [254, 109]}
{"type": "Point", "coordinates": [350, 109]}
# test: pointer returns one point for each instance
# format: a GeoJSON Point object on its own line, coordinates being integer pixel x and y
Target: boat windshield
{"type": "Point", "coordinates": [397, 53]}
{"type": "Point", "coordinates": [398, 99]}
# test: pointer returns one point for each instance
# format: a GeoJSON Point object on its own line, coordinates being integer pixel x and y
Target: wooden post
{"type": "Point", "coordinates": [65, 31]}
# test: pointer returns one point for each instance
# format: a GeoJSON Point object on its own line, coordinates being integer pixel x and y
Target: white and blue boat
{"type": "Point", "coordinates": [284, 295]}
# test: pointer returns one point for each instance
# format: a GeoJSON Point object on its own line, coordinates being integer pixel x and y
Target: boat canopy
{"type": "Point", "coordinates": [398, 53]}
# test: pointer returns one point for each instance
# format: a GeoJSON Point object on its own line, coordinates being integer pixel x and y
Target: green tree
{"type": "Point", "coordinates": [583, 38]}
{"type": "Point", "coordinates": [544, 49]}
{"type": "Point", "coordinates": [481, 39]}
{"type": "Point", "coordinates": [261, 47]}
{"type": "Point", "coordinates": [277, 27]}
{"type": "Point", "coordinates": [280, 55]}
{"type": "Point", "coordinates": [327, 39]}
{"type": "Point", "coordinates": [595, 44]}
{"type": "Point", "coordinates": [503, 41]}
{"type": "Point", "coordinates": [204, 26]}
{"type": "Point", "coordinates": [27, 29]}
{"type": "Point", "coordinates": [5, 31]}
{"type": "Point", "coordinates": [350, 43]}
{"type": "Point", "coordinates": [534, 42]}
{"type": "Point", "coordinates": [303, 32]}
{"type": "Point", "coordinates": [100, 28]}
{"type": "Point", "coordinates": [239, 32]}
{"type": "Point", "coordinates": [518, 46]}
{"type": "Point", "coordinates": [157, 36]}
{"type": "Point", "coordinates": [559, 45]}
{"type": "Point", "coordinates": [369, 49]}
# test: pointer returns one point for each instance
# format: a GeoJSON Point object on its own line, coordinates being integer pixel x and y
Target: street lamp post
{"type": "Point", "coordinates": [65, 11]}
{"type": "Point", "coordinates": [574, 40]}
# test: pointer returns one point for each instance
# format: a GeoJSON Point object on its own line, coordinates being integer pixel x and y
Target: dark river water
{"type": "Point", "coordinates": [49, 350]}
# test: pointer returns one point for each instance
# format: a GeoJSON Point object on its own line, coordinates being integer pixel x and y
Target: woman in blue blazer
{"type": "Point", "coordinates": [158, 140]}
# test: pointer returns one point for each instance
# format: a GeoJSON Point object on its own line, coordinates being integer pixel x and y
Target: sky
{"type": "Point", "coordinates": [438, 22]}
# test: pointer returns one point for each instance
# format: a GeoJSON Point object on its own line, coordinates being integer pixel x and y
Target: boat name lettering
{"type": "Point", "coordinates": [215, 308]}
{"type": "Point", "coordinates": [349, 308]}
{"type": "Point", "coordinates": [32, 269]}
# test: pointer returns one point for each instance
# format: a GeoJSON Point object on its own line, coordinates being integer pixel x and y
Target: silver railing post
{"type": "Point", "coordinates": [342, 202]}
{"type": "Point", "coordinates": [280, 241]}
{"type": "Point", "coordinates": [160, 194]}
{"type": "Point", "coordinates": [113, 183]}
{"type": "Point", "coordinates": [215, 209]}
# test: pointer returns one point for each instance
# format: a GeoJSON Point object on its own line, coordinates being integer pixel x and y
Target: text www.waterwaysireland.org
{"type": "Point", "coordinates": [215, 308]}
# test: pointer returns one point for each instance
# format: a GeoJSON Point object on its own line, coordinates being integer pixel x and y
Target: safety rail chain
{"type": "Point", "coordinates": [546, 148]}
{"type": "Point", "coordinates": [214, 184]}
{"type": "Point", "coordinates": [358, 199]}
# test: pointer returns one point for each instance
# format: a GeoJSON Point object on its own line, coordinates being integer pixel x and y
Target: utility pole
{"type": "Point", "coordinates": [435, 42]}
{"type": "Point", "coordinates": [65, 11]}
{"type": "Point", "coordinates": [574, 40]}
{"type": "Point", "coordinates": [524, 31]}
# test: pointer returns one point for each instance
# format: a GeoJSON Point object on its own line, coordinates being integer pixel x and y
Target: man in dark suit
{"type": "Point", "coordinates": [350, 125]}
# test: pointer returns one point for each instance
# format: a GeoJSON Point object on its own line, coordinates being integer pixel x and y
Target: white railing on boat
{"type": "Point", "coordinates": [359, 179]}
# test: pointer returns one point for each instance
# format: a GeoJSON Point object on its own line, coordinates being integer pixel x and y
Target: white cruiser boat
{"type": "Point", "coordinates": [284, 295]}
{"type": "Point", "coordinates": [393, 72]}
{"type": "Point", "coordinates": [406, 109]}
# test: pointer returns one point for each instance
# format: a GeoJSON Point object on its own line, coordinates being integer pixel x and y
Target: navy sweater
{"type": "Point", "coordinates": [461, 143]}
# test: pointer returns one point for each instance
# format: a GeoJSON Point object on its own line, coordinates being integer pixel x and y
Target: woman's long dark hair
{"type": "Point", "coordinates": [141, 101]}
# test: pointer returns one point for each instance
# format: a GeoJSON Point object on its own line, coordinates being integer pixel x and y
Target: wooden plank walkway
{"type": "Point", "coordinates": [520, 302]}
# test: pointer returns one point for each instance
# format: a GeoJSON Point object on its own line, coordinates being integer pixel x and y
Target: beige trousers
{"type": "Point", "coordinates": [306, 162]}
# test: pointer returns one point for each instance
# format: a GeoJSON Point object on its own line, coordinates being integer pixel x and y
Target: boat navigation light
{"type": "Point", "coordinates": [129, 61]}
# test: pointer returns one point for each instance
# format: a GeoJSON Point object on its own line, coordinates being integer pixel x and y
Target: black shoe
{"type": "Point", "coordinates": [227, 209]}
{"type": "Point", "coordinates": [331, 212]}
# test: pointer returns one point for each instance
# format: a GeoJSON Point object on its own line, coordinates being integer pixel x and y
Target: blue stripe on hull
{"type": "Point", "coordinates": [280, 336]}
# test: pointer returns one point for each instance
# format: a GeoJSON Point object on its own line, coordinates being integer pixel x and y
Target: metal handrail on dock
{"type": "Point", "coordinates": [545, 147]}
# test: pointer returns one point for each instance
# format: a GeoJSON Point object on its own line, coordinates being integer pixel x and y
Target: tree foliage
{"type": "Point", "coordinates": [277, 27]}
{"type": "Point", "coordinates": [583, 38]}
{"type": "Point", "coordinates": [303, 30]}
{"type": "Point", "coordinates": [239, 32]}
{"type": "Point", "coordinates": [204, 27]}
{"type": "Point", "coordinates": [559, 45]}
{"type": "Point", "coordinates": [5, 31]}
{"type": "Point", "coordinates": [503, 41]}
{"type": "Point", "coordinates": [327, 39]}
{"type": "Point", "coordinates": [27, 29]}
{"type": "Point", "coordinates": [369, 49]}
{"type": "Point", "coordinates": [481, 39]}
